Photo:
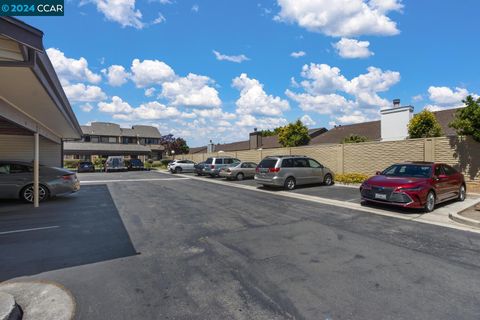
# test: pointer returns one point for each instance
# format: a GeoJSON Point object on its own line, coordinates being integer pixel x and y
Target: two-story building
{"type": "Point", "coordinates": [103, 139]}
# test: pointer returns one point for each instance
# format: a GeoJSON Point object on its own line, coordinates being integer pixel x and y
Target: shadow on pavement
{"type": "Point", "coordinates": [83, 228]}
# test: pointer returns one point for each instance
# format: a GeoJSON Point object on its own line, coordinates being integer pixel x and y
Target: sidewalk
{"type": "Point", "coordinates": [469, 216]}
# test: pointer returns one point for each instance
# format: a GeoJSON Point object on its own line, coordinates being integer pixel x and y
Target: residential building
{"type": "Point", "coordinates": [103, 139]}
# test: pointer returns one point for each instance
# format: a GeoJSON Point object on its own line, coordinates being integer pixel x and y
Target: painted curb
{"type": "Point", "coordinates": [464, 220]}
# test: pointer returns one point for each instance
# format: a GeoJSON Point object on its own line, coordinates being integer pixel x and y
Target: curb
{"type": "Point", "coordinates": [40, 300]}
{"type": "Point", "coordinates": [9, 309]}
{"type": "Point", "coordinates": [464, 220]}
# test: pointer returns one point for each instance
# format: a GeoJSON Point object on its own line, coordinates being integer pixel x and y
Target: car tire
{"type": "Point", "coordinates": [328, 179]}
{"type": "Point", "coordinates": [462, 193]}
{"type": "Point", "coordinates": [290, 184]}
{"type": "Point", "coordinates": [430, 202]}
{"type": "Point", "coordinates": [178, 170]}
{"type": "Point", "coordinates": [27, 193]}
{"type": "Point", "coordinates": [240, 176]}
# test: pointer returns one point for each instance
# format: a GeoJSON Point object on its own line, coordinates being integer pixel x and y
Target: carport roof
{"type": "Point", "coordinates": [28, 80]}
{"type": "Point", "coordinates": [104, 148]}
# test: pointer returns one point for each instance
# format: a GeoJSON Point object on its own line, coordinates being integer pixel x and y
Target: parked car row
{"type": "Point", "coordinates": [410, 184]}
{"type": "Point", "coordinates": [114, 163]}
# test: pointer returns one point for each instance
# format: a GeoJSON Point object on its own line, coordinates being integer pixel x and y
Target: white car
{"type": "Point", "coordinates": [179, 166]}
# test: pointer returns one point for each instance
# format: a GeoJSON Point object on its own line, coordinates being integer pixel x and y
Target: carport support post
{"type": "Point", "coordinates": [36, 169]}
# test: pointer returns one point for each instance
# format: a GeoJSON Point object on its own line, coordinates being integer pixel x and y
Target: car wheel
{"type": "Point", "coordinates": [430, 203]}
{"type": "Point", "coordinates": [240, 176]}
{"type": "Point", "coordinates": [328, 180]}
{"type": "Point", "coordinates": [290, 184]}
{"type": "Point", "coordinates": [462, 193]}
{"type": "Point", "coordinates": [28, 193]}
{"type": "Point", "coordinates": [178, 170]}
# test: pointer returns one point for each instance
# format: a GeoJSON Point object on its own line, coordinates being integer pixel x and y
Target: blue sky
{"type": "Point", "coordinates": [216, 69]}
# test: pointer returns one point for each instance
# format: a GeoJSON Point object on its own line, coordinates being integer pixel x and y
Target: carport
{"type": "Point", "coordinates": [35, 115]}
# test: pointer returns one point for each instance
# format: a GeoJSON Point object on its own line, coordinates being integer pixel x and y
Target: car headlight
{"type": "Point", "coordinates": [411, 189]}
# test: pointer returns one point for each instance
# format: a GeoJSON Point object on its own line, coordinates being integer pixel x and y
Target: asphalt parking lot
{"type": "Point", "coordinates": [148, 245]}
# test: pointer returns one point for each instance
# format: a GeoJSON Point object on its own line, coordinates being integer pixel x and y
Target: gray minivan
{"type": "Point", "coordinates": [290, 171]}
{"type": "Point", "coordinates": [213, 165]}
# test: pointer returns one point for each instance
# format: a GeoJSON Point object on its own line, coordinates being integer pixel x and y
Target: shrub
{"type": "Point", "coordinates": [71, 164]}
{"type": "Point", "coordinates": [424, 125]}
{"type": "Point", "coordinates": [354, 138]}
{"type": "Point", "coordinates": [165, 162]}
{"type": "Point", "coordinates": [349, 178]}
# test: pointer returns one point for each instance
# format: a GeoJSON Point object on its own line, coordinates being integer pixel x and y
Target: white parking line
{"type": "Point", "coordinates": [27, 230]}
{"type": "Point", "coordinates": [439, 217]}
{"type": "Point", "coordinates": [130, 180]}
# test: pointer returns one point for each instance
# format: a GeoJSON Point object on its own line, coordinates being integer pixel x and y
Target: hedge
{"type": "Point", "coordinates": [351, 178]}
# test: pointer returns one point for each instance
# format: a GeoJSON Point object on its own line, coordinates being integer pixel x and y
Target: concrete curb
{"type": "Point", "coordinates": [41, 300]}
{"type": "Point", "coordinates": [464, 220]}
{"type": "Point", "coordinates": [9, 309]}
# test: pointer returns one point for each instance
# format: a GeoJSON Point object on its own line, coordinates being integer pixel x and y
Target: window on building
{"type": "Point", "coordinates": [94, 139]}
{"type": "Point", "coordinates": [104, 139]}
{"type": "Point", "coordinates": [142, 141]}
{"type": "Point", "coordinates": [86, 138]}
{"type": "Point", "coordinates": [112, 139]}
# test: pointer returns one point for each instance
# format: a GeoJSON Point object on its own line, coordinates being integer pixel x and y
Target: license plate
{"type": "Point", "coordinates": [380, 196]}
{"type": "Point", "coordinates": [263, 170]}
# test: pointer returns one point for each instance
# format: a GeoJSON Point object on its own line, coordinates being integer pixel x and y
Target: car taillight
{"type": "Point", "coordinates": [68, 177]}
{"type": "Point", "coordinates": [273, 170]}
{"type": "Point", "coordinates": [257, 169]}
{"type": "Point", "coordinates": [212, 166]}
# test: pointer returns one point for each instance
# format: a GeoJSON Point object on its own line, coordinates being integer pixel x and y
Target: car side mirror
{"type": "Point", "coordinates": [378, 173]}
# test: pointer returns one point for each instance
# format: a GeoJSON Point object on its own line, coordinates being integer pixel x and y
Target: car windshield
{"type": "Point", "coordinates": [408, 170]}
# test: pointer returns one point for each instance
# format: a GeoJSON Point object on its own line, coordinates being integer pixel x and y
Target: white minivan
{"type": "Point", "coordinates": [115, 163]}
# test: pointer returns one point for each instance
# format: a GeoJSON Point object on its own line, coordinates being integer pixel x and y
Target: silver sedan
{"type": "Point", "coordinates": [16, 181]}
{"type": "Point", "coordinates": [239, 171]}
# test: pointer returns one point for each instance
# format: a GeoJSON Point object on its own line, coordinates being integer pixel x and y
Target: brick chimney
{"type": "Point", "coordinates": [255, 139]}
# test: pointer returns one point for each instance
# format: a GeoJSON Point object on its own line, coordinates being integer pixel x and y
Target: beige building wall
{"type": "Point", "coordinates": [369, 157]}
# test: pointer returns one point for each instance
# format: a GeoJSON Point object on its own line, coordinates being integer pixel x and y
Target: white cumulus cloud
{"type": "Point", "coordinates": [341, 18]}
{"type": "Point", "coordinates": [69, 69]}
{"type": "Point", "coordinates": [150, 72]}
{"type": "Point", "coordinates": [307, 120]}
{"type": "Point", "coordinates": [446, 98]}
{"type": "Point", "coordinates": [254, 100]}
{"type": "Point", "coordinates": [327, 91]}
{"type": "Point", "coordinates": [191, 91]}
{"type": "Point", "coordinates": [80, 92]}
{"type": "Point", "coordinates": [116, 106]}
{"type": "Point", "coordinates": [352, 48]}
{"type": "Point", "coordinates": [116, 75]}
{"type": "Point", "coordinates": [120, 11]}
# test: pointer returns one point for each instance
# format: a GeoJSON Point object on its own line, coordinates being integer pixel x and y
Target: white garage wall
{"type": "Point", "coordinates": [21, 148]}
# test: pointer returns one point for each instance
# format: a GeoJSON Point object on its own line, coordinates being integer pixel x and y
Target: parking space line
{"type": "Point", "coordinates": [422, 218]}
{"type": "Point", "coordinates": [130, 180]}
{"type": "Point", "coordinates": [27, 230]}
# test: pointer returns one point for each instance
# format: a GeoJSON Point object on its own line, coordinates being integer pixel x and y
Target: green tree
{"type": "Point", "coordinates": [354, 138]}
{"type": "Point", "coordinates": [424, 125]}
{"type": "Point", "coordinates": [179, 145]}
{"type": "Point", "coordinates": [269, 133]}
{"type": "Point", "coordinates": [467, 120]}
{"type": "Point", "coordinates": [294, 134]}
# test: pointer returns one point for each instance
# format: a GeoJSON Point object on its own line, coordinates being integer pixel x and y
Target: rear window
{"type": "Point", "coordinates": [209, 161]}
{"type": "Point", "coordinates": [267, 163]}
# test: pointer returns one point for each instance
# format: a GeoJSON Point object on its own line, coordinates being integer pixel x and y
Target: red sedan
{"type": "Point", "coordinates": [415, 185]}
